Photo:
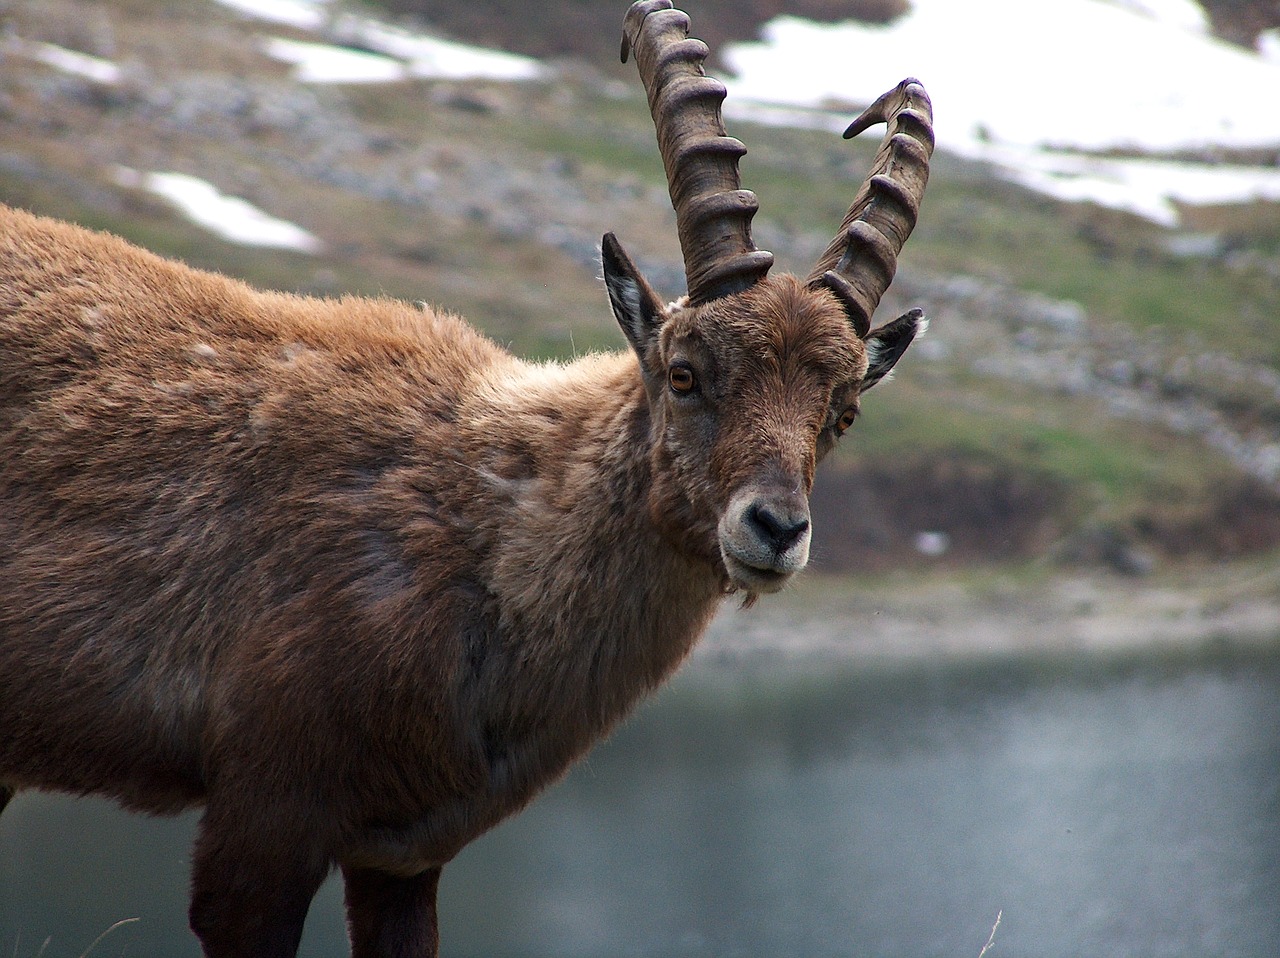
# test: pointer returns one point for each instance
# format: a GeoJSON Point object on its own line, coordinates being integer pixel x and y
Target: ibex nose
{"type": "Point", "coordinates": [777, 526]}
{"type": "Point", "coordinates": [764, 537]}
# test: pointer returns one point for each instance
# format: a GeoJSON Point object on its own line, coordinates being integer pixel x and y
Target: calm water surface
{"type": "Point", "coordinates": [1107, 810]}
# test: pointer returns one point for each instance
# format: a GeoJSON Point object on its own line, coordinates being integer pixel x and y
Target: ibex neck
{"type": "Point", "coordinates": [596, 601]}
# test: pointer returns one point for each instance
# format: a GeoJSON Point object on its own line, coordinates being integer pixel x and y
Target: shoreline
{"type": "Point", "coordinates": [912, 619]}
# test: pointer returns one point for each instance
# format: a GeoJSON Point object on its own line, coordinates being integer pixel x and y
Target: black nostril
{"type": "Point", "coordinates": [780, 531]}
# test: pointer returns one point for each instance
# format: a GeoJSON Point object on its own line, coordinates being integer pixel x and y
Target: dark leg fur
{"type": "Point", "coordinates": [249, 900]}
{"type": "Point", "coordinates": [6, 794]}
{"type": "Point", "coordinates": [390, 916]}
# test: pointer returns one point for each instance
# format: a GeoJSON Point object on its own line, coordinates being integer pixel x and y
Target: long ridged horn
{"type": "Point", "coordinates": [859, 264]}
{"type": "Point", "coordinates": [713, 214]}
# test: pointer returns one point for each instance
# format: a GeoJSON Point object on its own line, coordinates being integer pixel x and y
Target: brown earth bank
{"type": "Point", "coordinates": [953, 511]}
{"type": "Point", "coordinates": [1240, 21]}
{"type": "Point", "coordinates": [880, 514]}
{"type": "Point", "coordinates": [919, 618]}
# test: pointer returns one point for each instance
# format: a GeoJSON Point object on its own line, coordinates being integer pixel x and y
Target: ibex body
{"type": "Point", "coordinates": [360, 582]}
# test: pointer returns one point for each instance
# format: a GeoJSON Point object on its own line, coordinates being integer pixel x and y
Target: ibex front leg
{"type": "Point", "coordinates": [390, 916]}
{"type": "Point", "coordinates": [253, 879]}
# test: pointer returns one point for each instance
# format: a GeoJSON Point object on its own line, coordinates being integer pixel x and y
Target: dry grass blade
{"type": "Point", "coordinates": [991, 938]}
{"type": "Point", "coordinates": [126, 921]}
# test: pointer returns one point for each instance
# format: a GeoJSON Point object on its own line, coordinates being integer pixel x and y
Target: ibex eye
{"type": "Point", "coordinates": [681, 379]}
{"type": "Point", "coordinates": [846, 420]}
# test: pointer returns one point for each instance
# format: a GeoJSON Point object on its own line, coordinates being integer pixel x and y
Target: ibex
{"type": "Point", "coordinates": [360, 582]}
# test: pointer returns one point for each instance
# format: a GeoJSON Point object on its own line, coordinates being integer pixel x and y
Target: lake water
{"type": "Point", "coordinates": [1105, 809]}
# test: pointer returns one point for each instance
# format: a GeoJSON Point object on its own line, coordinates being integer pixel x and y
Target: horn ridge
{"type": "Point", "coordinates": [886, 207]}
{"type": "Point", "coordinates": [713, 212]}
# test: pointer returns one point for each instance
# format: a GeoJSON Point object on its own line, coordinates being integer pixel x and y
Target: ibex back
{"type": "Point", "coordinates": [360, 582]}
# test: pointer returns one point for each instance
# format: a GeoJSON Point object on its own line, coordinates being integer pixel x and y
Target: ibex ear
{"type": "Point", "coordinates": [886, 345]}
{"type": "Point", "coordinates": [637, 307]}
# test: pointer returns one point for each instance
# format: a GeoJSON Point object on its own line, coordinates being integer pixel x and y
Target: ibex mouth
{"type": "Point", "coordinates": [750, 578]}
{"type": "Point", "coordinates": [764, 539]}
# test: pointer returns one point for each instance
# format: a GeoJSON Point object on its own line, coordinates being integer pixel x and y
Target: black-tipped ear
{"type": "Point", "coordinates": [886, 345]}
{"type": "Point", "coordinates": [637, 307]}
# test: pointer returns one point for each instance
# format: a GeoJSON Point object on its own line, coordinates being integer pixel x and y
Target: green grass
{"type": "Point", "coordinates": [1110, 468]}
{"type": "Point", "coordinates": [1114, 265]}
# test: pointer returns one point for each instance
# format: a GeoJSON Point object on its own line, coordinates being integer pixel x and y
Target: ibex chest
{"type": "Point", "coordinates": [439, 830]}
{"type": "Point", "coordinates": [533, 712]}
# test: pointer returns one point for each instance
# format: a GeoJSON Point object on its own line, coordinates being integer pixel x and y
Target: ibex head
{"type": "Point", "coordinates": [752, 379]}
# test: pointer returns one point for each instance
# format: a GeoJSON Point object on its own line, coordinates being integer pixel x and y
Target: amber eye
{"type": "Point", "coordinates": [846, 420]}
{"type": "Point", "coordinates": [681, 379]}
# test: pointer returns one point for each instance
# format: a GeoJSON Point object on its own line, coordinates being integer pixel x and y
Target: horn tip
{"type": "Point", "coordinates": [634, 20]}
{"type": "Point", "coordinates": [879, 112]}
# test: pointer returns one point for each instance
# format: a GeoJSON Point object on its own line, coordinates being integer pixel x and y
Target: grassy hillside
{"type": "Point", "coordinates": [1090, 391]}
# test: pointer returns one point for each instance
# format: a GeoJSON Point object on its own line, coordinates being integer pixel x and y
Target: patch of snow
{"type": "Point", "coordinates": [1268, 44]}
{"type": "Point", "coordinates": [432, 58]}
{"type": "Point", "coordinates": [304, 14]}
{"type": "Point", "coordinates": [229, 217]}
{"type": "Point", "coordinates": [932, 543]}
{"type": "Point", "coordinates": [1184, 14]}
{"type": "Point", "coordinates": [325, 63]}
{"type": "Point", "coordinates": [380, 53]}
{"type": "Point", "coordinates": [1023, 85]}
{"type": "Point", "coordinates": [1149, 188]}
{"type": "Point", "coordinates": [68, 61]}
{"type": "Point", "coordinates": [1082, 73]}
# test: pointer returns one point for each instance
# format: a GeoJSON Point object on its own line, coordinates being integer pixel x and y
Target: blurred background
{"type": "Point", "coordinates": [1035, 669]}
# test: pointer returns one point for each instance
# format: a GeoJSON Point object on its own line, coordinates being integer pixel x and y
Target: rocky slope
{"type": "Point", "coordinates": [1094, 390]}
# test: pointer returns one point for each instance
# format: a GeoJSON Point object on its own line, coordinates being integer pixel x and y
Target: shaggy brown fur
{"type": "Point", "coordinates": [356, 579]}
{"type": "Point", "coordinates": [360, 582]}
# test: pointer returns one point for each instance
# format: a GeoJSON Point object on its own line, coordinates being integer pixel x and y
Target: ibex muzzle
{"type": "Point", "coordinates": [764, 537]}
{"type": "Point", "coordinates": [360, 582]}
